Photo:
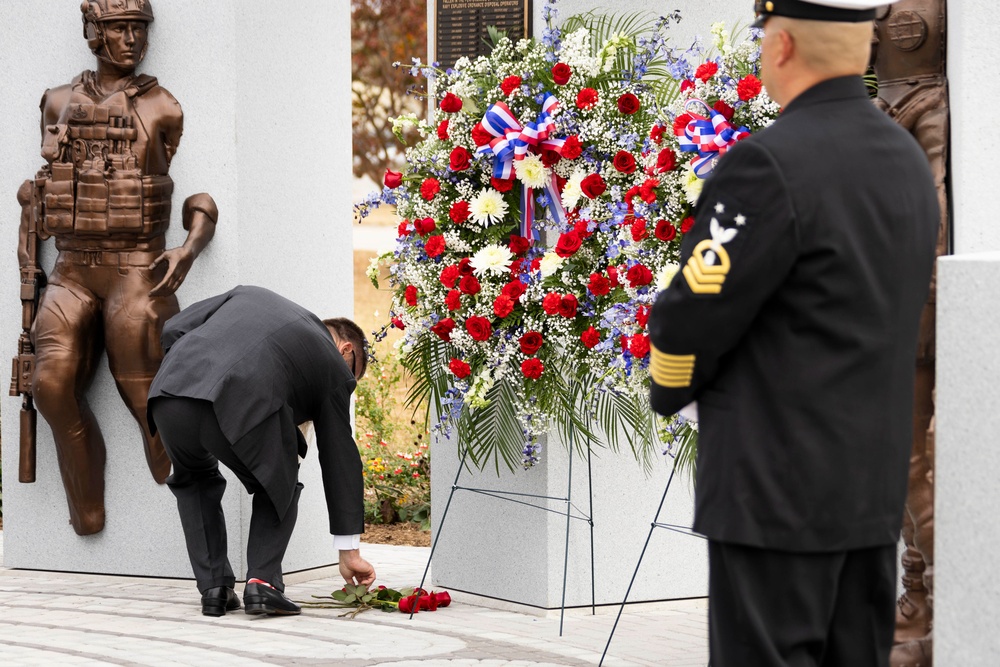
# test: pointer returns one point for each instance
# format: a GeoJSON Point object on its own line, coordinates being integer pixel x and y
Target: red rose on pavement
{"type": "Point", "coordinates": [530, 342]}
{"type": "Point", "coordinates": [686, 84]}
{"type": "Point", "coordinates": [404, 228]}
{"type": "Point", "coordinates": [628, 104]}
{"type": "Point", "coordinates": [429, 188]}
{"type": "Point", "coordinates": [686, 224]}
{"type": "Point", "coordinates": [518, 244]}
{"type": "Point", "coordinates": [706, 71]}
{"type": "Point", "coordinates": [749, 87]}
{"type": "Point", "coordinates": [550, 157]}
{"type": "Point", "coordinates": [501, 184]}
{"type": "Point", "coordinates": [451, 103]}
{"type": "Point", "coordinates": [624, 162]}
{"type": "Point", "coordinates": [424, 226]}
{"type": "Point", "coordinates": [681, 123]}
{"type": "Point", "coordinates": [586, 98]}
{"type": "Point", "coordinates": [550, 304]}
{"type": "Point", "coordinates": [561, 73]}
{"type": "Point", "coordinates": [572, 147]}
{"type": "Point", "coordinates": [443, 329]}
{"type": "Point", "coordinates": [459, 212]}
{"type": "Point", "coordinates": [442, 130]}
{"type": "Point", "coordinates": [613, 276]}
{"type": "Point", "coordinates": [478, 327]}
{"type": "Point", "coordinates": [410, 295]}
{"type": "Point", "coordinates": [568, 244]}
{"type": "Point", "coordinates": [642, 316]}
{"type": "Point", "coordinates": [638, 345]}
{"type": "Point", "coordinates": [666, 160]}
{"type": "Point", "coordinates": [639, 231]}
{"type": "Point", "coordinates": [593, 186]}
{"type": "Point", "coordinates": [510, 84]}
{"type": "Point", "coordinates": [453, 300]}
{"type": "Point", "coordinates": [480, 135]}
{"type": "Point", "coordinates": [469, 285]}
{"type": "Point", "coordinates": [398, 323]}
{"type": "Point", "coordinates": [449, 276]}
{"type": "Point", "coordinates": [393, 179]}
{"type": "Point", "coordinates": [434, 246]}
{"type": "Point", "coordinates": [591, 337]}
{"type": "Point", "coordinates": [461, 370]}
{"type": "Point", "coordinates": [532, 368]}
{"type": "Point", "coordinates": [656, 134]}
{"type": "Point", "coordinates": [567, 305]}
{"type": "Point", "coordinates": [409, 604]}
{"type": "Point", "coordinates": [647, 191]}
{"type": "Point", "coordinates": [723, 108]}
{"type": "Point", "coordinates": [503, 306]}
{"type": "Point", "coordinates": [665, 231]}
{"type": "Point", "coordinates": [459, 159]}
{"type": "Point", "coordinates": [638, 276]}
{"type": "Point", "coordinates": [598, 285]}
{"type": "Point", "coordinates": [514, 289]}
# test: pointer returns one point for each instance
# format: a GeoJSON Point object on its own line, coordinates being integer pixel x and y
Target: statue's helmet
{"type": "Point", "coordinates": [98, 12]}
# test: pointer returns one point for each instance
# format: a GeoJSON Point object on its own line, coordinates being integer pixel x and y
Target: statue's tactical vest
{"type": "Point", "coordinates": [95, 186]}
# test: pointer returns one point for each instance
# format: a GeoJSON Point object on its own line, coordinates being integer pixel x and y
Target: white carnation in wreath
{"type": "Point", "coordinates": [488, 207]}
{"type": "Point", "coordinates": [491, 259]}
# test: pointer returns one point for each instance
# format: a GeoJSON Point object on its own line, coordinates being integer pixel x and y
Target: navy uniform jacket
{"type": "Point", "coordinates": [267, 364]}
{"type": "Point", "coordinates": [793, 324]}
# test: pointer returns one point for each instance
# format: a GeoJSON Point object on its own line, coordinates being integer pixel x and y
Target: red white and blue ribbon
{"type": "Point", "coordinates": [513, 141]}
{"type": "Point", "coordinates": [708, 137]}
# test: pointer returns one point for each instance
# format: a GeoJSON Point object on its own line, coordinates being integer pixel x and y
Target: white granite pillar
{"type": "Point", "coordinates": [265, 93]}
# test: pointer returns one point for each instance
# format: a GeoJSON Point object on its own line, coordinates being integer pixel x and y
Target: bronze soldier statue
{"type": "Point", "coordinates": [105, 195]}
{"type": "Point", "coordinates": [912, 88]}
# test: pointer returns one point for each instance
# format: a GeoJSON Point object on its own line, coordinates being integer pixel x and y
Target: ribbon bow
{"type": "Point", "coordinates": [709, 137]}
{"type": "Point", "coordinates": [513, 141]}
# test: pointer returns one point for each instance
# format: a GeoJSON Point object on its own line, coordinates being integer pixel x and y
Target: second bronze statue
{"type": "Point", "coordinates": [105, 195]}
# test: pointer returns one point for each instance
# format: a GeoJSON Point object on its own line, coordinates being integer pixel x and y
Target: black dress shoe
{"type": "Point", "coordinates": [262, 599]}
{"type": "Point", "coordinates": [217, 601]}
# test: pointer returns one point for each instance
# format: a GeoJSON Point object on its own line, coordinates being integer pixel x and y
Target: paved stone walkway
{"type": "Point", "coordinates": [51, 618]}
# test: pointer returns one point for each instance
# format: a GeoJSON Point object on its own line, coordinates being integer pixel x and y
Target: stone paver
{"type": "Point", "coordinates": [53, 618]}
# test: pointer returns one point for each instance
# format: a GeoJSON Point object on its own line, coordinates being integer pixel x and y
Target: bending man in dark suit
{"type": "Point", "coordinates": [793, 324]}
{"type": "Point", "coordinates": [241, 371]}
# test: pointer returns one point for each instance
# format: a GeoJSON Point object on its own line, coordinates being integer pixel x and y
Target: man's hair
{"type": "Point", "coordinates": [347, 330]}
{"type": "Point", "coordinates": [829, 47]}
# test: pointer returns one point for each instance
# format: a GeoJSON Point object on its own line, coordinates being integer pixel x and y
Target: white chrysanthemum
{"type": "Point", "coordinates": [492, 258]}
{"type": "Point", "coordinates": [692, 186]}
{"type": "Point", "coordinates": [531, 171]}
{"type": "Point", "coordinates": [572, 191]}
{"type": "Point", "coordinates": [666, 275]}
{"type": "Point", "coordinates": [488, 207]}
{"type": "Point", "coordinates": [550, 264]}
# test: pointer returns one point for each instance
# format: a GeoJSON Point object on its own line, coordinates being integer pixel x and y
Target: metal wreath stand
{"type": "Point", "coordinates": [534, 500]}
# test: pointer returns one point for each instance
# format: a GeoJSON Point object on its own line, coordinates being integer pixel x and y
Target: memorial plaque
{"type": "Point", "coordinates": [461, 26]}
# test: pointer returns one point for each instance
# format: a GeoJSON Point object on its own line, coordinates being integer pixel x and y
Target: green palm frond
{"type": "Point", "coordinates": [493, 431]}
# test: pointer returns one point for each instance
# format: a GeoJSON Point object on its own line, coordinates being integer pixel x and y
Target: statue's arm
{"type": "Point", "coordinates": [200, 215]}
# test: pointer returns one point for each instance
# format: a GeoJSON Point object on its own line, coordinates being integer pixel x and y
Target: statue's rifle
{"type": "Point", "coordinates": [32, 280]}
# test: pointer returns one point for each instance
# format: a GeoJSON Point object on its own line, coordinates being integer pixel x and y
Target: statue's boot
{"type": "Point", "coordinates": [916, 653]}
{"type": "Point", "coordinates": [913, 613]}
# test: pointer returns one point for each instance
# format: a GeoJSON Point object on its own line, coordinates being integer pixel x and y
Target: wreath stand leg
{"type": "Point", "coordinates": [683, 530]}
{"type": "Point", "coordinates": [513, 497]}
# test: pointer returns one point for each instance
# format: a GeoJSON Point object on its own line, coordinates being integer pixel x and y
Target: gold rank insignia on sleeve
{"type": "Point", "coordinates": [672, 371]}
{"type": "Point", "coordinates": [706, 270]}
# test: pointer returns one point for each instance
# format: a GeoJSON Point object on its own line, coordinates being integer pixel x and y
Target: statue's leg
{"type": "Point", "coordinates": [133, 322]}
{"type": "Point", "coordinates": [67, 344]}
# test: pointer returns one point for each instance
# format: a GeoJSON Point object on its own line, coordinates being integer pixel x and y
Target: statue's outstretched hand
{"type": "Point", "coordinates": [179, 261]}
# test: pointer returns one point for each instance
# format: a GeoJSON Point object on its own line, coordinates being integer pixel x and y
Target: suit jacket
{"type": "Point", "coordinates": [793, 323]}
{"type": "Point", "coordinates": [267, 364]}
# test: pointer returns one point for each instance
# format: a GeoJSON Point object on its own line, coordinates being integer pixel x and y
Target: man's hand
{"type": "Point", "coordinates": [355, 569]}
{"type": "Point", "coordinates": [179, 261]}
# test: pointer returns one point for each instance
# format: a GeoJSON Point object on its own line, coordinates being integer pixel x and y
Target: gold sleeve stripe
{"type": "Point", "coordinates": [671, 370]}
{"type": "Point", "coordinates": [705, 278]}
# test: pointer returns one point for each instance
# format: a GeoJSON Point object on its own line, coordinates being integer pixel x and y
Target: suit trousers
{"type": "Point", "coordinates": [195, 443]}
{"type": "Point", "coordinates": [779, 609]}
